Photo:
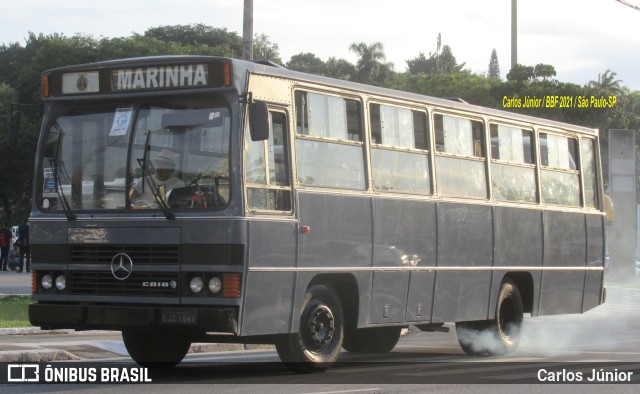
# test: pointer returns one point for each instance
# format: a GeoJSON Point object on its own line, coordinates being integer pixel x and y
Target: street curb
{"type": "Point", "coordinates": [36, 356]}
{"type": "Point", "coordinates": [39, 331]}
{"type": "Point", "coordinates": [48, 355]}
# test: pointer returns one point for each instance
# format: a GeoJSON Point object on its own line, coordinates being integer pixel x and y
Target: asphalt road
{"type": "Point", "coordinates": [553, 349]}
{"type": "Point", "coordinates": [12, 282]}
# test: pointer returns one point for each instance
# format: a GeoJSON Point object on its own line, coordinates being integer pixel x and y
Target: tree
{"type": "Point", "coordinates": [520, 74]}
{"type": "Point", "coordinates": [264, 49]}
{"type": "Point", "coordinates": [307, 62]}
{"type": "Point", "coordinates": [196, 34]}
{"type": "Point", "coordinates": [494, 67]}
{"type": "Point", "coordinates": [607, 84]}
{"type": "Point", "coordinates": [544, 71]}
{"type": "Point", "coordinates": [420, 64]}
{"type": "Point", "coordinates": [445, 62]}
{"type": "Point", "coordinates": [340, 68]}
{"type": "Point", "coordinates": [371, 66]}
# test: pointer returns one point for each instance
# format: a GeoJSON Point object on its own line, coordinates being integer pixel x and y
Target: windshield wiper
{"type": "Point", "coordinates": [63, 199]}
{"type": "Point", "coordinates": [53, 162]}
{"type": "Point", "coordinates": [155, 190]}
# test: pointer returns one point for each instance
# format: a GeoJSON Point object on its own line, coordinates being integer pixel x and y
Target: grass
{"type": "Point", "coordinates": [14, 311]}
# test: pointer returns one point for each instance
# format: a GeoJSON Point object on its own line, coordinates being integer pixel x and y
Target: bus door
{"type": "Point", "coordinates": [272, 229]}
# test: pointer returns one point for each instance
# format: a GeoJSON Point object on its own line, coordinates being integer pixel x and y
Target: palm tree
{"type": "Point", "coordinates": [371, 66]}
{"type": "Point", "coordinates": [607, 84]}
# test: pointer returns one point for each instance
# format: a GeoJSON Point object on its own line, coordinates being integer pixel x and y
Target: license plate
{"type": "Point", "coordinates": [179, 317]}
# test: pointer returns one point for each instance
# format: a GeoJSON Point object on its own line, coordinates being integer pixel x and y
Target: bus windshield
{"type": "Point", "coordinates": [170, 155]}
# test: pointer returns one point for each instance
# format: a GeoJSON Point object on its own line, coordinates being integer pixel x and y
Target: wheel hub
{"type": "Point", "coordinates": [321, 325]}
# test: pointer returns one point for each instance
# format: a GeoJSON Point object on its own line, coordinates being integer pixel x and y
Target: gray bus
{"type": "Point", "coordinates": [203, 199]}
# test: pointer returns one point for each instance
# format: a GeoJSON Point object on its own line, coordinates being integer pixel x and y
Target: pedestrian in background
{"type": "Point", "coordinates": [23, 239]}
{"type": "Point", "coordinates": [13, 264]}
{"type": "Point", "coordinates": [5, 243]}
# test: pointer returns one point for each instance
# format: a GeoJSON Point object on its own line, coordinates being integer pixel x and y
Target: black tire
{"type": "Point", "coordinates": [316, 345]}
{"type": "Point", "coordinates": [156, 349]}
{"type": "Point", "coordinates": [499, 336]}
{"type": "Point", "coordinates": [371, 340]}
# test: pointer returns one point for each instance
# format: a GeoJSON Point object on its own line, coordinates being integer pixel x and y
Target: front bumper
{"type": "Point", "coordinates": [103, 317]}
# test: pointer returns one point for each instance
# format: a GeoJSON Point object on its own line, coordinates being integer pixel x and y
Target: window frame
{"type": "Point", "coordinates": [267, 186]}
{"type": "Point", "coordinates": [361, 143]}
{"type": "Point", "coordinates": [502, 162]}
{"type": "Point", "coordinates": [425, 152]}
{"type": "Point", "coordinates": [483, 159]}
{"type": "Point", "coordinates": [596, 168]}
{"type": "Point", "coordinates": [559, 170]}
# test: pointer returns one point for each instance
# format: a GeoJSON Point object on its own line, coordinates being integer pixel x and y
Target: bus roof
{"type": "Point", "coordinates": [241, 67]}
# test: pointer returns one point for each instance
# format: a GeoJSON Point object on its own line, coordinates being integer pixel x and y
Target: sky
{"type": "Point", "coordinates": [580, 38]}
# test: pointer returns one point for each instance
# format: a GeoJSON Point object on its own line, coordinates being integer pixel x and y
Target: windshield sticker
{"type": "Point", "coordinates": [121, 122]}
{"type": "Point", "coordinates": [49, 186]}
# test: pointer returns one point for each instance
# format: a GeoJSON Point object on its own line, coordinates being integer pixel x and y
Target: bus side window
{"type": "Point", "coordinates": [267, 168]}
{"type": "Point", "coordinates": [399, 160]}
{"type": "Point", "coordinates": [460, 166]}
{"type": "Point", "coordinates": [513, 174]}
{"type": "Point", "coordinates": [329, 143]}
{"type": "Point", "coordinates": [589, 173]}
{"type": "Point", "coordinates": [559, 176]}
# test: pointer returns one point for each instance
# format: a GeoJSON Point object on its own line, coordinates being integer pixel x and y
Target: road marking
{"type": "Point", "coordinates": [369, 390]}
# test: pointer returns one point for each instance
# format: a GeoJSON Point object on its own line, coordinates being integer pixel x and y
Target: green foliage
{"type": "Point", "coordinates": [197, 35]}
{"type": "Point", "coordinates": [264, 49]}
{"type": "Point", "coordinates": [371, 67]}
{"type": "Point", "coordinates": [469, 87]}
{"type": "Point", "coordinates": [445, 62]}
{"type": "Point", "coordinates": [494, 66]}
{"type": "Point", "coordinates": [14, 311]}
{"type": "Point", "coordinates": [308, 63]}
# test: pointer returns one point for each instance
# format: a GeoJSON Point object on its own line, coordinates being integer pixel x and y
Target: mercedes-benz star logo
{"type": "Point", "coordinates": [121, 266]}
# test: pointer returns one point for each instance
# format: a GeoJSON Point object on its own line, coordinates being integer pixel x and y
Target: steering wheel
{"type": "Point", "coordinates": [212, 182]}
{"type": "Point", "coordinates": [214, 178]}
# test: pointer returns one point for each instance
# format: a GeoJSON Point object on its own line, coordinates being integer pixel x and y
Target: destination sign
{"type": "Point", "coordinates": [124, 78]}
{"type": "Point", "coordinates": [174, 76]}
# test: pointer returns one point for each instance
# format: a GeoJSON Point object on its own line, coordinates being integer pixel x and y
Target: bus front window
{"type": "Point", "coordinates": [172, 156]}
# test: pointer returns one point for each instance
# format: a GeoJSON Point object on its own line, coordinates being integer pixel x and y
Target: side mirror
{"type": "Point", "coordinates": [14, 126]}
{"type": "Point", "coordinates": [259, 121]}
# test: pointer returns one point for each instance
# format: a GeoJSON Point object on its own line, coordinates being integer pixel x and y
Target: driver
{"type": "Point", "coordinates": [163, 178]}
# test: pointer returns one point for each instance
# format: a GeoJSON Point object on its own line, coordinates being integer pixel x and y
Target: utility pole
{"type": "Point", "coordinates": [438, 53]}
{"type": "Point", "coordinates": [514, 33]}
{"type": "Point", "coordinates": [247, 31]}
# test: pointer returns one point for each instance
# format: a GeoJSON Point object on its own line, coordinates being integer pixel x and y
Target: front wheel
{"type": "Point", "coordinates": [499, 336]}
{"type": "Point", "coordinates": [316, 345]}
{"type": "Point", "coordinates": [163, 349]}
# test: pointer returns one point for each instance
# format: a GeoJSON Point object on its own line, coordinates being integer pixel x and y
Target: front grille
{"type": "Point", "coordinates": [149, 284]}
{"type": "Point", "coordinates": [140, 254]}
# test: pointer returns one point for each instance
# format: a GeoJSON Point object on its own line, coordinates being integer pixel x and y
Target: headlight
{"type": "Point", "coordinates": [196, 284]}
{"type": "Point", "coordinates": [61, 282]}
{"type": "Point", "coordinates": [215, 285]}
{"type": "Point", "coordinates": [47, 282]}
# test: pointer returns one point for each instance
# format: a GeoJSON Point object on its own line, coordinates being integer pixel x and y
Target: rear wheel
{"type": "Point", "coordinates": [316, 345]}
{"type": "Point", "coordinates": [498, 336]}
{"type": "Point", "coordinates": [371, 340]}
{"type": "Point", "coordinates": [162, 349]}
